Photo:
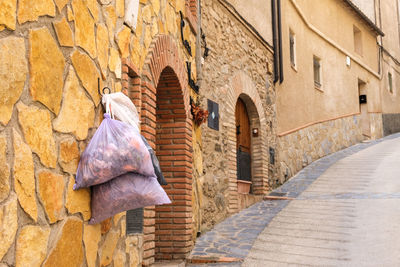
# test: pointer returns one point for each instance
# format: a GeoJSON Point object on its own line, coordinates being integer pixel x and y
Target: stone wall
{"type": "Point", "coordinates": [239, 64]}
{"type": "Point", "coordinates": [51, 56]}
{"type": "Point", "coordinates": [391, 123]}
{"type": "Point", "coordinates": [300, 148]}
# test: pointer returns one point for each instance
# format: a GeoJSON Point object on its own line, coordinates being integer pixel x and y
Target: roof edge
{"type": "Point", "coordinates": [369, 22]}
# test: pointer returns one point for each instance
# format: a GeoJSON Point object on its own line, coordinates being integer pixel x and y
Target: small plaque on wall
{"type": "Point", "coordinates": [213, 117]}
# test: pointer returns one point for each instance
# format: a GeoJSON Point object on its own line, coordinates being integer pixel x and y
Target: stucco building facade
{"type": "Point", "coordinates": [326, 67]}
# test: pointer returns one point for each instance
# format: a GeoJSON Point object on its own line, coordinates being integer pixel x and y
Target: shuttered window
{"type": "Point", "coordinates": [317, 71]}
{"type": "Point", "coordinates": [213, 115]}
{"type": "Point", "coordinates": [134, 221]}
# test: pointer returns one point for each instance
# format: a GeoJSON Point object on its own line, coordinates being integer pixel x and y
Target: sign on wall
{"type": "Point", "coordinates": [131, 13]}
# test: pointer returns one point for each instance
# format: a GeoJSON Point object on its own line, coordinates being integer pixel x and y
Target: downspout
{"type": "Point", "coordinates": [280, 42]}
{"type": "Point", "coordinates": [275, 41]}
{"type": "Point", "coordinates": [198, 46]}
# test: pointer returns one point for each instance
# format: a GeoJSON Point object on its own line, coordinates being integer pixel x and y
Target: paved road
{"type": "Point", "coordinates": [349, 216]}
{"type": "Point", "coordinates": [345, 212]}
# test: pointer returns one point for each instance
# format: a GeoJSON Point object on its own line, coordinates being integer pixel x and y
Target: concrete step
{"type": "Point", "coordinates": [178, 263]}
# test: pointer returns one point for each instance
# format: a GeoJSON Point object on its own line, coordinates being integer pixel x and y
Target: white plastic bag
{"type": "Point", "coordinates": [120, 107]}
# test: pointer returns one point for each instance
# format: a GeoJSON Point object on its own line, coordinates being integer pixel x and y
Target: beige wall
{"type": "Point", "coordinates": [391, 43]}
{"type": "Point", "coordinates": [317, 33]}
{"type": "Point", "coordinates": [258, 14]}
{"type": "Point", "coordinates": [367, 7]}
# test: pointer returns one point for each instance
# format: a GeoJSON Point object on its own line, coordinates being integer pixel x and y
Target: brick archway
{"type": "Point", "coordinates": [242, 87]}
{"type": "Point", "coordinates": [167, 124]}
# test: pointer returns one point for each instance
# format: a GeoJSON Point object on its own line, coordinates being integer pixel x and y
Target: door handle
{"type": "Point", "coordinates": [238, 130]}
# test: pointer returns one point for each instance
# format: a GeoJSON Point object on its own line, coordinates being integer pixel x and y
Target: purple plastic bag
{"type": "Point", "coordinates": [126, 192]}
{"type": "Point", "coordinates": [116, 148]}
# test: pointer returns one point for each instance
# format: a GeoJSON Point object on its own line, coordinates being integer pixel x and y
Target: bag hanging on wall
{"type": "Point", "coordinates": [119, 106]}
{"type": "Point", "coordinates": [156, 163]}
{"type": "Point", "coordinates": [126, 192]}
{"type": "Point", "coordinates": [116, 148]}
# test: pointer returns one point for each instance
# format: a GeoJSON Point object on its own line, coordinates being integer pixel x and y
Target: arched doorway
{"type": "Point", "coordinates": [173, 223]}
{"type": "Point", "coordinates": [243, 147]}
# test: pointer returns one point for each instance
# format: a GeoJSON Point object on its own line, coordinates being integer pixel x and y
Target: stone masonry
{"type": "Point", "coordinates": [298, 149]}
{"type": "Point", "coordinates": [52, 54]}
{"type": "Point", "coordinates": [239, 64]}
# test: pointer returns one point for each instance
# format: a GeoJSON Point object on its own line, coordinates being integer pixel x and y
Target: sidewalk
{"type": "Point", "coordinates": [230, 242]}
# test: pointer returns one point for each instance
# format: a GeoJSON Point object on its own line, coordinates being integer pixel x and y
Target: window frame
{"type": "Point", "coordinates": [390, 82]}
{"type": "Point", "coordinates": [292, 49]}
{"type": "Point", "coordinates": [357, 38]}
{"type": "Point", "coordinates": [317, 83]}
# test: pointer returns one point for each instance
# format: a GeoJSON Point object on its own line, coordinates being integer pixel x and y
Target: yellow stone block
{"type": "Point", "coordinates": [31, 248]}
{"type": "Point", "coordinates": [46, 69]}
{"type": "Point", "coordinates": [64, 33]}
{"type": "Point", "coordinates": [120, 8]}
{"type": "Point", "coordinates": [93, 8]}
{"type": "Point", "coordinates": [77, 112]}
{"type": "Point", "coordinates": [84, 28]}
{"type": "Point", "coordinates": [24, 176]}
{"type": "Point", "coordinates": [70, 14]}
{"type": "Point", "coordinates": [154, 28]}
{"type": "Point", "coordinates": [4, 170]}
{"type": "Point", "coordinates": [156, 7]}
{"type": "Point", "coordinates": [143, 1]}
{"type": "Point", "coordinates": [180, 6]}
{"type": "Point", "coordinates": [146, 14]}
{"type": "Point", "coordinates": [78, 201]}
{"type": "Point", "coordinates": [111, 21]}
{"type": "Point", "coordinates": [61, 4]}
{"type": "Point", "coordinates": [161, 27]}
{"type": "Point", "coordinates": [139, 26]}
{"type": "Point", "coordinates": [69, 155]}
{"type": "Point", "coordinates": [135, 53]}
{"type": "Point", "coordinates": [88, 74]}
{"type": "Point", "coordinates": [8, 224]}
{"type": "Point", "coordinates": [147, 37]}
{"type": "Point", "coordinates": [171, 20]}
{"type": "Point", "coordinates": [114, 62]}
{"type": "Point", "coordinates": [108, 247]}
{"type": "Point", "coordinates": [91, 238]}
{"type": "Point", "coordinates": [118, 87]}
{"type": "Point", "coordinates": [13, 71]}
{"type": "Point", "coordinates": [36, 126]}
{"type": "Point", "coordinates": [51, 192]}
{"type": "Point", "coordinates": [68, 251]}
{"type": "Point", "coordinates": [119, 259]}
{"type": "Point", "coordinates": [8, 14]}
{"type": "Point", "coordinates": [31, 10]}
{"type": "Point", "coordinates": [102, 48]}
{"type": "Point", "coordinates": [123, 41]}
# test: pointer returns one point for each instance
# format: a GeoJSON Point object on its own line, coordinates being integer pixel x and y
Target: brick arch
{"type": "Point", "coordinates": [163, 52]}
{"type": "Point", "coordinates": [167, 125]}
{"type": "Point", "coordinates": [242, 86]}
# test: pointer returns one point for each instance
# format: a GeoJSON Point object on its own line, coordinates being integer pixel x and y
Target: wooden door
{"type": "Point", "coordinates": [243, 142]}
{"type": "Point", "coordinates": [364, 117]}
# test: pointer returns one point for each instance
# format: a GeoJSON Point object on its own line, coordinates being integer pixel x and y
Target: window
{"type": "Point", "coordinates": [357, 41]}
{"type": "Point", "coordinates": [317, 71]}
{"type": "Point", "coordinates": [390, 81]}
{"type": "Point", "coordinates": [292, 47]}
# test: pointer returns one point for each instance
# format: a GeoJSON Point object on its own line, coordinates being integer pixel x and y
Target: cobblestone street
{"type": "Point", "coordinates": [345, 212]}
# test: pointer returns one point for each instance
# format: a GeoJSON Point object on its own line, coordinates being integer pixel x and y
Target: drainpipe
{"type": "Point", "coordinates": [280, 42]}
{"type": "Point", "coordinates": [198, 46]}
{"type": "Point", "coordinates": [275, 41]}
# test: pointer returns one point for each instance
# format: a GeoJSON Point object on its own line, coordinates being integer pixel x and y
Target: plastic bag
{"type": "Point", "coordinates": [156, 163]}
{"type": "Point", "coordinates": [120, 107]}
{"type": "Point", "coordinates": [116, 148]}
{"type": "Point", "coordinates": [126, 192]}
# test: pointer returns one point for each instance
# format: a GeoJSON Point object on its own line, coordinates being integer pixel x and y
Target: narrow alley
{"type": "Point", "coordinates": [345, 211]}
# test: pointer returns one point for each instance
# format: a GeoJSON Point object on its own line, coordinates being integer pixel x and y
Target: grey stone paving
{"type": "Point", "coordinates": [235, 236]}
